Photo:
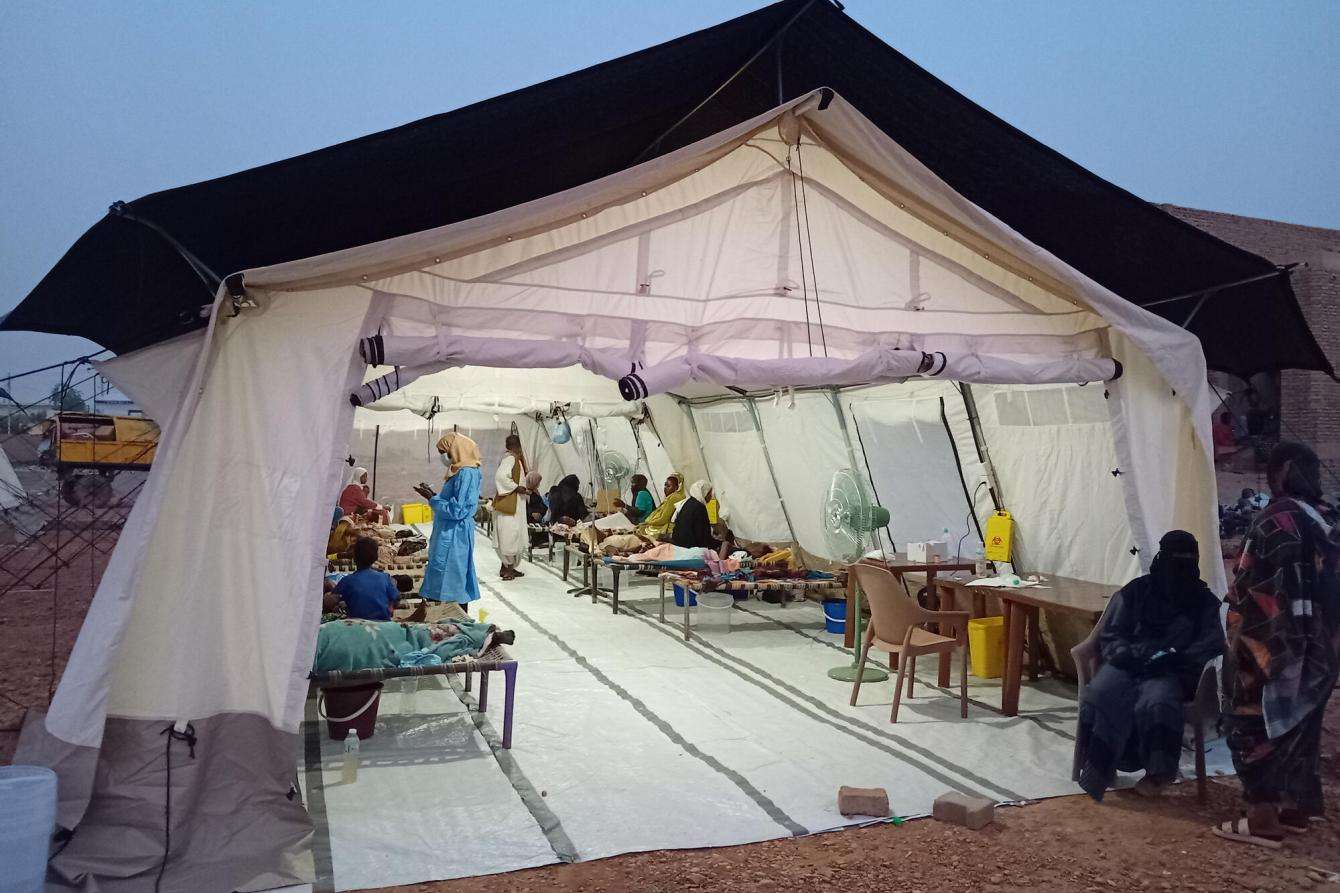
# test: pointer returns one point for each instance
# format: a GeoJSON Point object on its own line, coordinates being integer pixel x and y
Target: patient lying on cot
{"type": "Point", "coordinates": [348, 645]}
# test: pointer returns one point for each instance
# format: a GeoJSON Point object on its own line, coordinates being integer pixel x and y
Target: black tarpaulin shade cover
{"type": "Point", "coordinates": [124, 285]}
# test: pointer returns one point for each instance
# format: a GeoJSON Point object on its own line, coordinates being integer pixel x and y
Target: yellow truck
{"type": "Point", "coordinates": [89, 450]}
{"type": "Point", "coordinates": [101, 442]}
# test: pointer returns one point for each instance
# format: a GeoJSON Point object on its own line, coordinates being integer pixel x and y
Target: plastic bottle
{"type": "Point", "coordinates": [349, 771]}
{"type": "Point", "coordinates": [980, 568]}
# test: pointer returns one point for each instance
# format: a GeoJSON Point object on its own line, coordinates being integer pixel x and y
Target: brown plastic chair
{"type": "Point", "coordinates": [896, 627]}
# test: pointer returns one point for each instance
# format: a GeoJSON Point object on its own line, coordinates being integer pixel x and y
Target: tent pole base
{"type": "Point", "coordinates": [848, 674]}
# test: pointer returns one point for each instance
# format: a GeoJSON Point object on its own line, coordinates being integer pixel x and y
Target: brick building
{"type": "Point", "coordinates": [1309, 401]}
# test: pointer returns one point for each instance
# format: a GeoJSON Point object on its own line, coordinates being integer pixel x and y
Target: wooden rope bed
{"type": "Point", "coordinates": [494, 660]}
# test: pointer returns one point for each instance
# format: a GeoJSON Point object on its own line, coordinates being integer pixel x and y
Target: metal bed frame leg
{"type": "Point", "coordinates": [614, 590]}
{"type": "Point", "coordinates": [689, 596]}
{"type": "Point", "coordinates": [509, 679]}
{"type": "Point", "coordinates": [483, 691]}
{"type": "Point", "coordinates": [662, 579]}
{"type": "Point", "coordinates": [467, 680]}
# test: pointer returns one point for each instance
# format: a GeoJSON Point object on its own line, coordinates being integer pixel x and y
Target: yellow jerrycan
{"type": "Point", "coordinates": [999, 536]}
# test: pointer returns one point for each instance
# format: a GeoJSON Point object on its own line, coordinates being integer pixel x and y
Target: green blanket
{"type": "Point", "coordinates": [368, 644]}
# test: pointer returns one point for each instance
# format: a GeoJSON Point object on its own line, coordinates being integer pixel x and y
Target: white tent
{"type": "Point", "coordinates": [11, 490]}
{"type": "Point", "coordinates": [397, 433]}
{"type": "Point", "coordinates": [802, 250]}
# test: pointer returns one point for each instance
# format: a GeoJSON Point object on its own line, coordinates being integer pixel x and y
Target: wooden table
{"type": "Point", "coordinates": [1023, 608]}
{"type": "Point", "coordinates": [899, 564]}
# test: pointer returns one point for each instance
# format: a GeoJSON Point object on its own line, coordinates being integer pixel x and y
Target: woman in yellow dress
{"type": "Point", "coordinates": [660, 523]}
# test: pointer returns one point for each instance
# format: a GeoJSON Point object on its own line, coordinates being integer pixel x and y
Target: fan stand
{"type": "Point", "coordinates": [849, 673]}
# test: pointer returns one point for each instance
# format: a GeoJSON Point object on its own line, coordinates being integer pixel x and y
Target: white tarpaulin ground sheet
{"type": "Point", "coordinates": [627, 738]}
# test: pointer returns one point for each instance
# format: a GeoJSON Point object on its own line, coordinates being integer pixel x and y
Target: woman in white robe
{"type": "Point", "coordinates": [509, 509]}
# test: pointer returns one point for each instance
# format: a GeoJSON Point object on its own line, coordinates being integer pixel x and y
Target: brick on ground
{"type": "Point", "coordinates": [961, 809]}
{"type": "Point", "coordinates": [864, 801]}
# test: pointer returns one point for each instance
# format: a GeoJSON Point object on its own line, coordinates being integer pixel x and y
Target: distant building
{"type": "Point", "coordinates": [120, 406]}
{"type": "Point", "coordinates": [1309, 401]}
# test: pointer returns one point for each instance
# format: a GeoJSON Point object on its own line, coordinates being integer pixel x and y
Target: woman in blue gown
{"type": "Point", "coordinates": [450, 574]}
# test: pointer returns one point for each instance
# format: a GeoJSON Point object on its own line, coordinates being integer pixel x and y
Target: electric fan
{"type": "Point", "coordinates": [615, 469]}
{"type": "Point", "coordinates": [851, 523]}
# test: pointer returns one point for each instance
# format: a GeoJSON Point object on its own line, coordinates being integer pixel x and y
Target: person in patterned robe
{"type": "Point", "coordinates": [1283, 614]}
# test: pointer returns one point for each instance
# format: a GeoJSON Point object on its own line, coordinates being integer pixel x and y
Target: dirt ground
{"type": "Point", "coordinates": [1064, 844]}
{"type": "Point", "coordinates": [33, 650]}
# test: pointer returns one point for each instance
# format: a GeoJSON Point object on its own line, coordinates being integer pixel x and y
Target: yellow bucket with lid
{"type": "Point", "coordinates": [986, 645]}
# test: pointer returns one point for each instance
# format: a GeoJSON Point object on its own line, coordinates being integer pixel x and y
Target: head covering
{"type": "Point", "coordinates": [339, 515]}
{"type": "Point", "coordinates": [1176, 568]}
{"type": "Point", "coordinates": [1301, 471]}
{"type": "Point", "coordinates": [692, 525]}
{"type": "Point", "coordinates": [570, 483]}
{"type": "Point", "coordinates": [356, 475]}
{"type": "Point", "coordinates": [463, 451]}
{"type": "Point", "coordinates": [533, 480]}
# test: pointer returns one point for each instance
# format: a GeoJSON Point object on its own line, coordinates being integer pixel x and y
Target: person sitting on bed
{"type": "Point", "coordinates": [355, 496]}
{"type": "Point", "coordinates": [642, 504]}
{"type": "Point", "coordinates": [692, 525]}
{"type": "Point", "coordinates": [368, 594]}
{"type": "Point", "coordinates": [660, 523]}
{"type": "Point", "coordinates": [566, 505]}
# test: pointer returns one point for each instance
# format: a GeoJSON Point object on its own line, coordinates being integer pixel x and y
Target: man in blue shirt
{"type": "Point", "coordinates": [368, 594]}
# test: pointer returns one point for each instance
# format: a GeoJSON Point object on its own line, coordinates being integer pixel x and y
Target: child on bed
{"type": "Point", "coordinates": [368, 594]}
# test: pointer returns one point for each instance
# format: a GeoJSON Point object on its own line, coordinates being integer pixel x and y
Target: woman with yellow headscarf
{"type": "Point", "coordinates": [660, 523]}
{"type": "Point", "coordinates": [450, 574]}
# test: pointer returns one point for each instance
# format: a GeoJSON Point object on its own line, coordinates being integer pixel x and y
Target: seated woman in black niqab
{"type": "Point", "coordinates": [1157, 637]}
{"type": "Point", "coordinates": [566, 504]}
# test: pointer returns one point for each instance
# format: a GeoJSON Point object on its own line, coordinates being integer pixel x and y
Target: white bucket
{"type": "Point", "coordinates": [714, 611]}
{"type": "Point", "coordinates": [27, 821]}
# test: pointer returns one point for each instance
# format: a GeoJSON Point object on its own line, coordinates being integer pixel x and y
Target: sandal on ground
{"type": "Point", "coordinates": [1238, 830]}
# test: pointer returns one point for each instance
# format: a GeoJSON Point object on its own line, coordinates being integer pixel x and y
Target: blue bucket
{"type": "Point", "coordinates": [679, 597]}
{"type": "Point", "coordinates": [835, 616]}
